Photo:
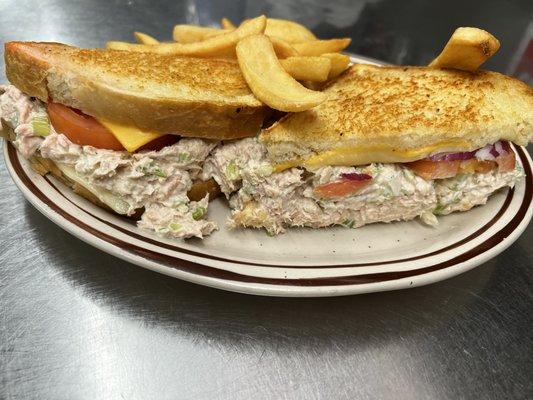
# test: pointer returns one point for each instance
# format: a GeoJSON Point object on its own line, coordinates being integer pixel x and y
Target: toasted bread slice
{"type": "Point", "coordinates": [399, 114]}
{"type": "Point", "coordinates": [203, 98]}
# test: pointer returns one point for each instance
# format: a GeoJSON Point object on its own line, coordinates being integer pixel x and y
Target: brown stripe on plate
{"type": "Point", "coordinates": [127, 232]}
{"type": "Point", "coordinates": [199, 269]}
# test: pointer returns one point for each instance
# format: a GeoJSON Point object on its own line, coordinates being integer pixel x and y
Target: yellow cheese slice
{"type": "Point", "coordinates": [130, 137]}
{"type": "Point", "coordinates": [361, 155]}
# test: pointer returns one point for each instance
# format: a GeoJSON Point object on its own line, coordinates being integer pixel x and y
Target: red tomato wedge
{"type": "Point", "coordinates": [341, 188]}
{"type": "Point", "coordinates": [506, 161]}
{"type": "Point", "coordinates": [85, 130]}
{"type": "Point", "coordinates": [429, 169]}
{"type": "Point", "coordinates": [80, 128]}
{"type": "Point", "coordinates": [474, 165]}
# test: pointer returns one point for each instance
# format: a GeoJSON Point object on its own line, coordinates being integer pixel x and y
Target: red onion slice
{"type": "Point", "coordinates": [354, 176]}
{"type": "Point", "coordinates": [506, 146]}
{"type": "Point", "coordinates": [465, 155]}
{"type": "Point", "coordinates": [488, 153]}
{"type": "Point", "coordinates": [492, 151]}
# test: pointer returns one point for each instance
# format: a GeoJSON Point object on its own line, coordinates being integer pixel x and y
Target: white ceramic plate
{"type": "Point", "coordinates": [302, 262]}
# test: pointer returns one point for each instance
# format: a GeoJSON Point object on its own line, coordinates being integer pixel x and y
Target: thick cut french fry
{"type": "Point", "coordinates": [143, 38]}
{"type": "Point", "coordinates": [339, 63]}
{"type": "Point", "coordinates": [289, 31]}
{"type": "Point", "coordinates": [313, 69]}
{"type": "Point", "coordinates": [282, 48]}
{"type": "Point", "coordinates": [313, 85]}
{"type": "Point", "coordinates": [220, 46]}
{"type": "Point", "coordinates": [193, 33]}
{"type": "Point", "coordinates": [319, 47]}
{"type": "Point", "coordinates": [467, 49]}
{"type": "Point", "coordinates": [268, 80]}
{"type": "Point", "coordinates": [225, 23]}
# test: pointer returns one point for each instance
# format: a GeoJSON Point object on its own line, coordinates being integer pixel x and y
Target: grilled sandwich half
{"type": "Point", "coordinates": [128, 131]}
{"type": "Point", "coordinates": [391, 143]}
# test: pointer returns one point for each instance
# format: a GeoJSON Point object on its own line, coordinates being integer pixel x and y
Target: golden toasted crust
{"type": "Point", "coordinates": [392, 109]}
{"type": "Point", "coordinates": [205, 98]}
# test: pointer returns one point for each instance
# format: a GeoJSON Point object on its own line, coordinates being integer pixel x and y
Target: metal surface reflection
{"type": "Point", "coordinates": [78, 323]}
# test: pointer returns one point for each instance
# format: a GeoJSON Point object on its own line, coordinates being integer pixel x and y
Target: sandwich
{"type": "Point", "coordinates": [128, 131]}
{"type": "Point", "coordinates": [389, 144]}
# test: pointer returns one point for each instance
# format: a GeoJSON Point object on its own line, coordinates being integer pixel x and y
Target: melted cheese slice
{"type": "Point", "coordinates": [361, 155]}
{"type": "Point", "coordinates": [129, 136]}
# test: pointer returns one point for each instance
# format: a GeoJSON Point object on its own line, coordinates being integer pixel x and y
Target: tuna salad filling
{"type": "Point", "coordinates": [347, 196]}
{"type": "Point", "coordinates": [155, 182]}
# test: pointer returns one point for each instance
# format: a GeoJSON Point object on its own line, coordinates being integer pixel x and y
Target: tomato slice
{"type": "Point", "coordinates": [506, 161]}
{"type": "Point", "coordinates": [340, 188]}
{"type": "Point", "coordinates": [429, 169]}
{"type": "Point", "coordinates": [81, 129]}
{"type": "Point", "coordinates": [85, 130]}
{"type": "Point", "coordinates": [474, 165]}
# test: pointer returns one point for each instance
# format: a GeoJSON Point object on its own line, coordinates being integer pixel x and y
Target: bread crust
{"type": "Point", "coordinates": [202, 98]}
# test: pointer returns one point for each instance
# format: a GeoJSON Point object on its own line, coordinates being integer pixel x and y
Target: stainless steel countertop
{"type": "Point", "coordinates": [76, 323]}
